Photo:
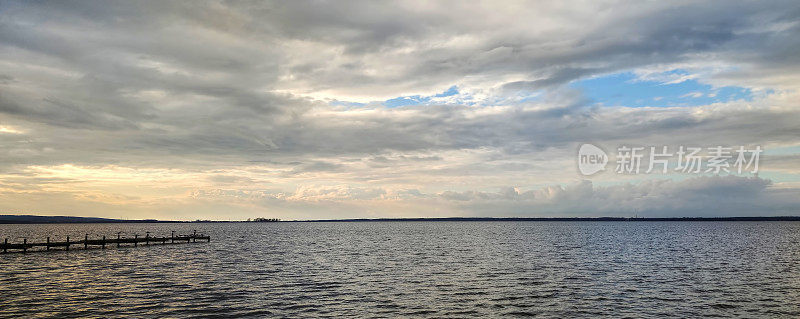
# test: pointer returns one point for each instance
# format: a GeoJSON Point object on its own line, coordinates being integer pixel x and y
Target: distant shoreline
{"type": "Point", "coordinates": [33, 219]}
{"type": "Point", "coordinates": [558, 219]}
{"type": "Point", "coordinates": [36, 219]}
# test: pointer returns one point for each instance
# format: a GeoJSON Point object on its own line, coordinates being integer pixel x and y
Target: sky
{"type": "Point", "coordinates": [229, 110]}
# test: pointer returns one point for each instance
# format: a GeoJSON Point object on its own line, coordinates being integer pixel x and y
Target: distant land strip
{"type": "Point", "coordinates": [34, 219]}
{"type": "Point", "coordinates": [558, 219]}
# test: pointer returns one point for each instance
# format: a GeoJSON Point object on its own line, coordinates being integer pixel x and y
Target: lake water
{"type": "Point", "coordinates": [410, 269]}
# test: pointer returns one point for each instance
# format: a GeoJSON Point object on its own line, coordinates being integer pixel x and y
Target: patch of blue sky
{"type": "Point", "coordinates": [618, 89]}
{"type": "Point", "coordinates": [449, 96]}
{"type": "Point", "coordinates": [626, 89]}
{"type": "Point", "coordinates": [419, 99]}
{"type": "Point", "coordinates": [454, 96]}
{"type": "Point", "coordinates": [346, 103]}
{"type": "Point", "coordinates": [453, 90]}
{"type": "Point", "coordinates": [407, 100]}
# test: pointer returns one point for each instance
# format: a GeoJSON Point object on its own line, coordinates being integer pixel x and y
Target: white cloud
{"type": "Point", "coordinates": [236, 97]}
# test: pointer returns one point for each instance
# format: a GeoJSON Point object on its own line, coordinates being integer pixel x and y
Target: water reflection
{"type": "Point", "coordinates": [427, 269]}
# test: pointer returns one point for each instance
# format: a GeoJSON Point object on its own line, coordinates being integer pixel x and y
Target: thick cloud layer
{"type": "Point", "coordinates": [128, 107]}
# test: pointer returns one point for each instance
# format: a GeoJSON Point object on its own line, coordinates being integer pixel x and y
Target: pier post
{"type": "Point", "coordinates": [135, 240]}
{"type": "Point", "coordinates": [67, 242]}
{"type": "Point", "coordinates": [117, 240]}
{"type": "Point", "coordinates": [24, 245]}
{"type": "Point", "coordinates": [48, 243]}
{"type": "Point", "coordinates": [86, 241]}
{"type": "Point", "coordinates": [104, 241]}
{"type": "Point", "coordinates": [5, 245]}
{"type": "Point", "coordinates": [173, 236]}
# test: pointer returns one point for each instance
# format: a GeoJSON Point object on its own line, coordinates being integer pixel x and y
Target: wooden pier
{"type": "Point", "coordinates": [86, 243]}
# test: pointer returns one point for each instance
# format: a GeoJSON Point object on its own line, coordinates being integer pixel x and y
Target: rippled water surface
{"type": "Point", "coordinates": [408, 269]}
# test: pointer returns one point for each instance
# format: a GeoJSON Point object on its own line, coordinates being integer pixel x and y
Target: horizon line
{"type": "Point", "coordinates": [40, 219]}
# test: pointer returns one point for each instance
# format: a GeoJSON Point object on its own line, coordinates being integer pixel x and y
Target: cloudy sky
{"type": "Point", "coordinates": [298, 110]}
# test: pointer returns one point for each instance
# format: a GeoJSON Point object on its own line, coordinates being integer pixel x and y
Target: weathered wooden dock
{"type": "Point", "coordinates": [87, 243]}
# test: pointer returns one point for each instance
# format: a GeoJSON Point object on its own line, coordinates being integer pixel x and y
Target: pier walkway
{"type": "Point", "coordinates": [86, 243]}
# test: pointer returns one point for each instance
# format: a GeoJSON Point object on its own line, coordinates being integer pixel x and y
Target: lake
{"type": "Point", "coordinates": [413, 269]}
